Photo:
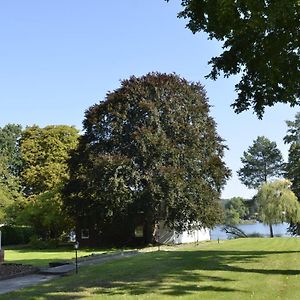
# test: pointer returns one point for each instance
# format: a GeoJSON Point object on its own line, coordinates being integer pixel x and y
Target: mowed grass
{"type": "Point", "coordinates": [41, 258]}
{"type": "Point", "coordinates": [238, 269]}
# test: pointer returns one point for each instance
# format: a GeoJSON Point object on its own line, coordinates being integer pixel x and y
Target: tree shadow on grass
{"type": "Point", "coordinates": [174, 273]}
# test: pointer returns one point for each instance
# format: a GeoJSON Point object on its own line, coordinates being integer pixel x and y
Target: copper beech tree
{"type": "Point", "coordinates": [149, 149]}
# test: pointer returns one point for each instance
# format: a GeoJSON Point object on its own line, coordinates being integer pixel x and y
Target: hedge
{"type": "Point", "coordinates": [16, 235]}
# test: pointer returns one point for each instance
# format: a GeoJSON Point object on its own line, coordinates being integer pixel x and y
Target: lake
{"type": "Point", "coordinates": [278, 230]}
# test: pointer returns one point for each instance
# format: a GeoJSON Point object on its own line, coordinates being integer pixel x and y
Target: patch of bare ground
{"type": "Point", "coordinates": [14, 270]}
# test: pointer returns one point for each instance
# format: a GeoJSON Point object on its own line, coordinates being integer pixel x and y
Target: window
{"type": "Point", "coordinates": [85, 234]}
{"type": "Point", "coordinates": [138, 232]}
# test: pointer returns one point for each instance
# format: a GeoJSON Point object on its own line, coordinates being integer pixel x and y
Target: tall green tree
{"type": "Point", "coordinates": [10, 154]}
{"type": "Point", "coordinates": [260, 42]}
{"type": "Point", "coordinates": [10, 168]}
{"type": "Point", "coordinates": [277, 203]}
{"type": "Point", "coordinates": [45, 152]}
{"type": "Point", "coordinates": [150, 147]}
{"type": "Point", "coordinates": [261, 162]}
{"type": "Point", "coordinates": [293, 165]}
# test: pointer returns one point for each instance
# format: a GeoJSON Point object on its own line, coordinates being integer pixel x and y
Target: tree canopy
{"type": "Point", "coordinates": [292, 167]}
{"type": "Point", "coordinates": [235, 211]}
{"type": "Point", "coordinates": [10, 167]}
{"type": "Point", "coordinates": [261, 162]}
{"type": "Point", "coordinates": [277, 203]}
{"type": "Point", "coordinates": [260, 42]}
{"type": "Point", "coordinates": [45, 152]}
{"type": "Point", "coordinates": [10, 155]}
{"type": "Point", "coordinates": [150, 147]}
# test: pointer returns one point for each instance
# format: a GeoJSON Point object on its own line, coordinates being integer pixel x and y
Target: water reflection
{"type": "Point", "coordinates": [256, 228]}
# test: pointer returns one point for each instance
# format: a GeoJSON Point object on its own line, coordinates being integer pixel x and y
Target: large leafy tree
{"type": "Point", "coordinates": [149, 148]}
{"type": "Point", "coordinates": [293, 165]}
{"type": "Point", "coordinates": [10, 167]}
{"type": "Point", "coordinates": [260, 42]}
{"type": "Point", "coordinates": [45, 152]}
{"type": "Point", "coordinates": [277, 203]}
{"type": "Point", "coordinates": [261, 162]}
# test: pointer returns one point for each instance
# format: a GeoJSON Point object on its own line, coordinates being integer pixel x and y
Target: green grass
{"type": "Point", "coordinates": [237, 269]}
{"type": "Point", "coordinates": [41, 258]}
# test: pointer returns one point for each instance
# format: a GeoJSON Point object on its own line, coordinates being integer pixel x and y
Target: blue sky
{"type": "Point", "coordinates": [59, 57]}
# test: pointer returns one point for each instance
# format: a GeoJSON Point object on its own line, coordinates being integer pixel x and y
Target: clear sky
{"type": "Point", "coordinates": [59, 57]}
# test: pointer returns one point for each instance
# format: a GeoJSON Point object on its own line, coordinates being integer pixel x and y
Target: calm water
{"type": "Point", "coordinates": [279, 230]}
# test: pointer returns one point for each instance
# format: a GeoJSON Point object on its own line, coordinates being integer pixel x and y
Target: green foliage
{"type": "Point", "coordinates": [45, 153]}
{"type": "Point", "coordinates": [260, 41]}
{"type": "Point", "coordinates": [10, 156]}
{"type": "Point", "coordinates": [235, 211]}
{"type": "Point", "coordinates": [262, 161]}
{"type": "Point", "coordinates": [277, 203]}
{"type": "Point", "coordinates": [16, 235]}
{"type": "Point", "coordinates": [292, 167]}
{"type": "Point", "coordinates": [10, 167]}
{"type": "Point", "coordinates": [37, 243]}
{"type": "Point", "coordinates": [11, 197]}
{"type": "Point", "coordinates": [150, 147]}
{"type": "Point", "coordinates": [45, 214]}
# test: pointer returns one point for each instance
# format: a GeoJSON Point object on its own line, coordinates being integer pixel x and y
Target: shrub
{"type": "Point", "coordinates": [16, 235]}
{"type": "Point", "coordinates": [38, 243]}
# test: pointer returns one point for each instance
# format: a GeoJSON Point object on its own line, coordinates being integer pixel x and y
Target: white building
{"type": "Point", "coordinates": [167, 236]}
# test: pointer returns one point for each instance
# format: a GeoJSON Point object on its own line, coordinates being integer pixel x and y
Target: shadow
{"type": "Point", "coordinates": [170, 273]}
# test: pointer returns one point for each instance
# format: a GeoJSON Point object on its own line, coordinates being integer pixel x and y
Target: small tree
{"type": "Point", "coordinates": [45, 214]}
{"type": "Point", "coordinates": [277, 203]}
{"type": "Point", "coordinates": [262, 161]}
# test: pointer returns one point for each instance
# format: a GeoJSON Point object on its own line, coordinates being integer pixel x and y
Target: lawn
{"type": "Point", "coordinates": [238, 269]}
{"type": "Point", "coordinates": [41, 258]}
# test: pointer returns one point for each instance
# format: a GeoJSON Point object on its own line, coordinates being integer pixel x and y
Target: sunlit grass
{"type": "Point", "coordinates": [237, 269]}
{"type": "Point", "coordinates": [43, 257]}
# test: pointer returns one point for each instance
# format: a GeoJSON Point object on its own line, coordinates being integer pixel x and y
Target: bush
{"type": "Point", "coordinates": [38, 243]}
{"type": "Point", "coordinates": [255, 235]}
{"type": "Point", "coordinates": [16, 235]}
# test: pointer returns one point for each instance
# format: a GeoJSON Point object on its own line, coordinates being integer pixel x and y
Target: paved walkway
{"type": "Point", "coordinates": [46, 274]}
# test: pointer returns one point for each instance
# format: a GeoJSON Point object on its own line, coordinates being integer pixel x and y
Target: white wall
{"type": "Point", "coordinates": [167, 236]}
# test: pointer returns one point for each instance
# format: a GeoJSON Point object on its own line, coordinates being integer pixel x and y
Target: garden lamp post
{"type": "Point", "coordinates": [76, 246]}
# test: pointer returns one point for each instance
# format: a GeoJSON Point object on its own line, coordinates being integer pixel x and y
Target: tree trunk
{"type": "Point", "coordinates": [148, 231]}
{"type": "Point", "coordinates": [271, 230]}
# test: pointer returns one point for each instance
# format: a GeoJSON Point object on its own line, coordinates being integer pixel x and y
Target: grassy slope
{"type": "Point", "coordinates": [237, 269]}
